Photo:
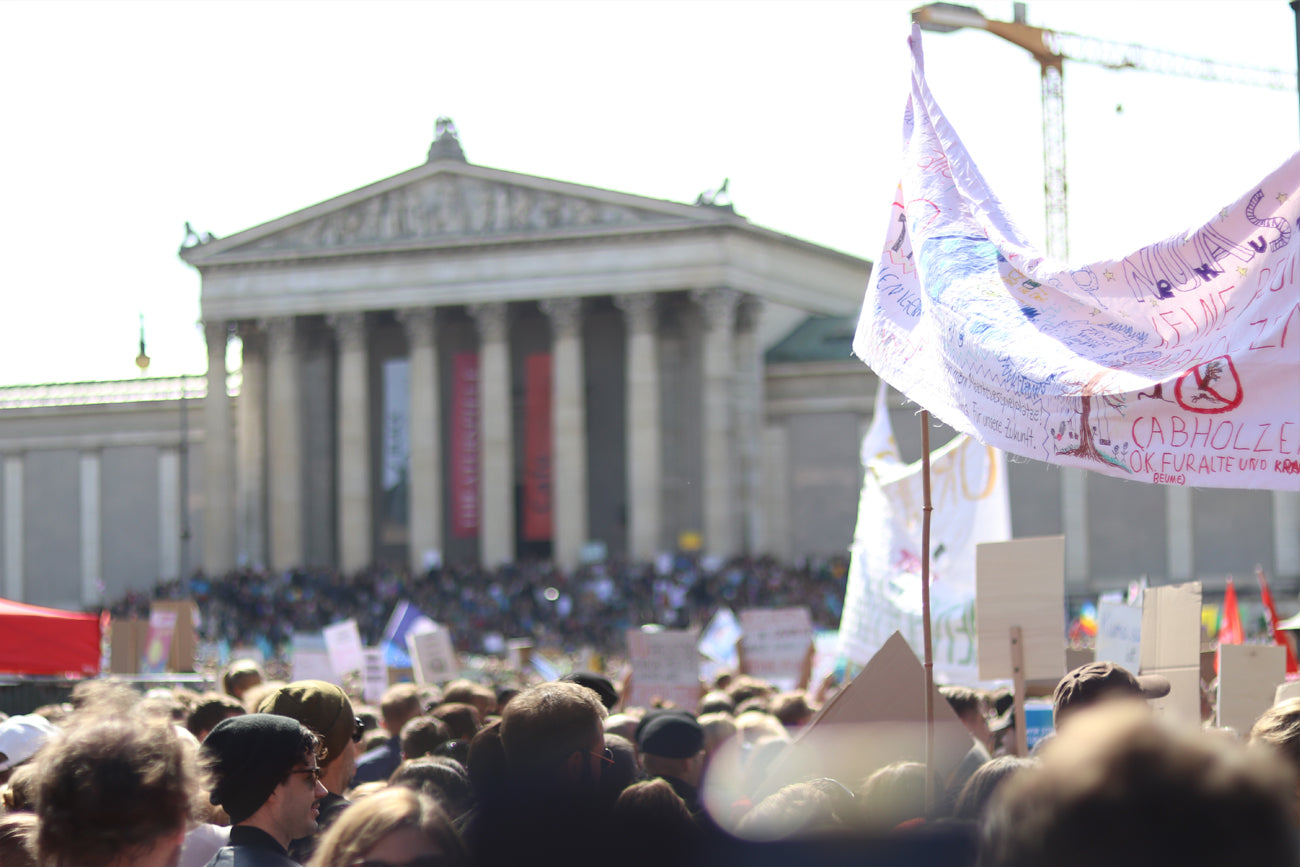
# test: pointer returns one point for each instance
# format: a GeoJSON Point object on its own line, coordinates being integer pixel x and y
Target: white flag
{"type": "Point", "coordinates": [1178, 364]}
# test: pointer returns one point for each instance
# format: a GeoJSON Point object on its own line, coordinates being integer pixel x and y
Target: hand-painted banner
{"type": "Point", "coordinates": [538, 448]}
{"type": "Point", "coordinates": [1178, 364]}
{"type": "Point", "coordinates": [464, 445]}
{"type": "Point", "coordinates": [969, 495]}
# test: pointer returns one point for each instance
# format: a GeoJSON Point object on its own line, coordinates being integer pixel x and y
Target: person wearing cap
{"type": "Point", "coordinates": [266, 776]}
{"type": "Point", "coordinates": [326, 710]}
{"type": "Point", "coordinates": [671, 746]}
{"type": "Point", "coordinates": [1097, 682]}
{"type": "Point", "coordinates": [20, 737]}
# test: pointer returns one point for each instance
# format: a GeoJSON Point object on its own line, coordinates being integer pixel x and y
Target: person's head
{"type": "Point", "coordinates": [892, 795]}
{"type": "Point", "coordinates": [978, 791]}
{"type": "Point", "coordinates": [717, 701]}
{"type": "Point", "coordinates": [20, 738]}
{"type": "Point", "coordinates": [553, 734]}
{"type": "Point", "coordinates": [445, 780]}
{"type": "Point", "coordinates": [620, 773]}
{"type": "Point", "coordinates": [210, 710]}
{"type": "Point", "coordinates": [486, 762]}
{"type": "Point", "coordinates": [422, 735]}
{"type": "Point", "coordinates": [598, 683]}
{"type": "Point", "coordinates": [241, 676]}
{"type": "Point", "coordinates": [791, 708]}
{"type": "Point", "coordinates": [1097, 682]}
{"type": "Point", "coordinates": [800, 810]}
{"type": "Point", "coordinates": [397, 826]}
{"type": "Point", "coordinates": [483, 698]}
{"type": "Point", "coordinates": [1278, 728]}
{"type": "Point", "coordinates": [400, 705]}
{"type": "Point", "coordinates": [326, 710]}
{"type": "Point", "coordinates": [971, 707]}
{"type": "Point", "coordinates": [463, 720]}
{"type": "Point", "coordinates": [266, 773]}
{"type": "Point", "coordinates": [1118, 787]}
{"type": "Point", "coordinates": [115, 791]}
{"type": "Point", "coordinates": [102, 698]}
{"type": "Point", "coordinates": [653, 823]}
{"type": "Point", "coordinates": [671, 744]}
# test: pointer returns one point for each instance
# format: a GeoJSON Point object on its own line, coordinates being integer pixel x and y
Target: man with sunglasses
{"type": "Point", "coordinates": [326, 710]}
{"type": "Point", "coordinates": [266, 775]}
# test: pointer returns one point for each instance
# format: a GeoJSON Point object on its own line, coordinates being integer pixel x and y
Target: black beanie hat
{"type": "Point", "coordinates": [250, 755]}
{"type": "Point", "coordinates": [597, 683]}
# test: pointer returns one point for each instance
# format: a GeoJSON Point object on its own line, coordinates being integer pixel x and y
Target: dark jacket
{"type": "Point", "coordinates": [251, 847]}
{"type": "Point", "coordinates": [378, 764]}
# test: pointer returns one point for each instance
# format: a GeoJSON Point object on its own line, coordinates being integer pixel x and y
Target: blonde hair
{"type": "Point", "coordinates": [362, 826]}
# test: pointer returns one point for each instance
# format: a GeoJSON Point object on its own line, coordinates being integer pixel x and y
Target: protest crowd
{"type": "Point", "coordinates": [265, 772]}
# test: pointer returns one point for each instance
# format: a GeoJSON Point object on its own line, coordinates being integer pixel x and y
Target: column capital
{"type": "Point", "coordinates": [565, 315]}
{"type": "Point", "coordinates": [216, 332]}
{"type": "Point", "coordinates": [492, 319]}
{"type": "Point", "coordinates": [350, 328]}
{"type": "Point", "coordinates": [418, 323]}
{"type": "Point", "coordinates": [640, 311]}
{"type": "Point", "coordinates": [748, 313]}
{"type": "Point", "coordinates": [719, 306]}
{"type": "Point", "coordinates": [281, 333]}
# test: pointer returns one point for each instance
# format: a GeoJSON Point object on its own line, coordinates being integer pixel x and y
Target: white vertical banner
{"type": "Point", "coordinates": [883, 596]}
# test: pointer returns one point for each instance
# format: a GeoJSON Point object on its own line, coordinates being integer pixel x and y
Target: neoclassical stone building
{"type": "Point", "coordinates": [478, 365]}
{"type": "Point", "coordinates": [469, 363]}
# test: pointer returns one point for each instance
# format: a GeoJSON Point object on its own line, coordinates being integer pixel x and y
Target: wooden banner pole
{"type": "Point", "coordinates": [925, 611]}
{"type": "Point", "coordinates": [1018, 675]}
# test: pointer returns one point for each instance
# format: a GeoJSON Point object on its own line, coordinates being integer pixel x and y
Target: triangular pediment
{"type": "Point", "coordinates": [450, 203]}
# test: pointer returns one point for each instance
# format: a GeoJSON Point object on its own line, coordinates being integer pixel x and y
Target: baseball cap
{"type": "Point", "coordinates": [21, 736]}
{"type": "Point", "coordinates": [1090, 683]}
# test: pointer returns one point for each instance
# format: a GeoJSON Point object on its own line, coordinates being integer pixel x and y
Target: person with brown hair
{"type": "Point", "coordinates": [400, 705]}
{"type": "Point", "coordinates": [422, 735]}
{"type": "Point", "coordinates": [115, 791]}
{"type": "Point", "coordinates": [1278, 729]}
{"type": "Point", "coordinates": [398, 826]}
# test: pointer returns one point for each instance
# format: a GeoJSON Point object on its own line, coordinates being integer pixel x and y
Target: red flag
{"type": "Point", "coordinates": [1278, 635]}
{"type": "Point", "coordinates": [1230, 631]}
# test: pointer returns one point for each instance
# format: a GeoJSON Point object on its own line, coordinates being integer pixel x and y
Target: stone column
{"type": "Point", "coordinates": [568, 431]}
{"type": "Point", "coordinates": [218, 459]}
{"type": "Point", "coordinates": [719, 307]}
{"type": "Point", "coordinates": [91, 538]}
{"type": "Point", "coordinates": [13, 528]}
{"type": "Point", "coordinates": [284, 444]}
{"type": "Point", "coordinates": [496, 534]}
{"type": "Point", "coordinates": [1180, 546]}
{"type": "Point", "coordinates": [1286, 534]}
{"type": "Point", "coordinates": [426, 524]}
{"type": "Point", "coordinates": [169, 511]}
{"type": "Point", "coordinates": [355, 514]}
{"type": "Point", "coordinates": [749, 425]}
{"type": "Point", "coordinates": [1074, 520]}
{"type": "Point", "coordinates": [251, 474]}
{"type": "Point", "coordinates": [644, 431]}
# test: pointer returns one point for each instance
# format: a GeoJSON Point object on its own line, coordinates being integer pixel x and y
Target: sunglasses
{"type": "Point", "coordinates": [358, 730]}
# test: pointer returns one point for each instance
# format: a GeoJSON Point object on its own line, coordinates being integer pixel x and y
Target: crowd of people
{"type": "Point", "coordinates": [273, 774]}
{"type": "Point", "coordinates": [591, 607]}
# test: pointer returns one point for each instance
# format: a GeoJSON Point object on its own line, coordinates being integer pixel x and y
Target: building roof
{"type": "Point", "coordinates": [816, 338]}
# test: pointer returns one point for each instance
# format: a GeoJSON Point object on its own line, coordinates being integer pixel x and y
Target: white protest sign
{"type": "Point", "coordinates": [432, 656]}
{"type": "Point", "coordinates": [1171, 648]}
{"type": "Point", "coordinates": [310, 660]}
{"type": "Point", "coordinates": [719, 639]}
{"type": "Point", "coordinates": [775, 643]}
{"type": "Point", "coordinates": [1021, 583]}
{"type": "Point", "coordinates": [1119, 634]}
{"type": "Point", "coordinates": [665, 666]}
{"type": "Point", "coordinates": [374, 675]}
{"type": "Point", "coordinates": [343, 644]}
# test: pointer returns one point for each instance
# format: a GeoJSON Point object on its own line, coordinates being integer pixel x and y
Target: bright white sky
{"type": "Point", "coordinates": [123, 120]}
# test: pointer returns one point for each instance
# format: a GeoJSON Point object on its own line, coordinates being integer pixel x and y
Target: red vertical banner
{"type": "Point", "coordinates": [464, 445]}
{"type": "Point", "coordinates": [537, 526]}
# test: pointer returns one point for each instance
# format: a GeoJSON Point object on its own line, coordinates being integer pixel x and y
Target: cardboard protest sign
{"type": "Point", "coordinates": [343, 644]}
{"type": "Point", "coordinates": [1119, 634]}
{"type": "Point", "coordinates": [1171, 648]}
{"type": "Point", "coordinates": [309, 659]}
{"type": "Point", "coordinates": [877, 718]}
{"type": "Point", "coordinates": [1248, 679]}
{"type": "Point", "coordinates": [184, 639]}
{"type": "Point", "coordinates": [1021, 583]}
{"type": "Point", "coordinates": [665, 667]}
{"type": "Point", "coordinates": [433, 658]}
{"type": "Point", "coordinates": [775, 643]}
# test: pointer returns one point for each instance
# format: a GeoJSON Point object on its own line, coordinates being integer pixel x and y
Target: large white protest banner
{"type": "Point", "coordinates": [883, 595]}
{"type": "Point", "coordinates": [1177, 364]}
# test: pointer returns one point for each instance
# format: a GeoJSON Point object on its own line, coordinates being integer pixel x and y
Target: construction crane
{"type": "Point", "coordinates": [1051, 48]}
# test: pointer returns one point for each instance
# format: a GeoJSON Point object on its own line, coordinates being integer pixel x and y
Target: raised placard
{"type": "Point", "coordinates": [1021, 583]}
{"type": "Point", "coordinates": [1248, 679]}
{"type": "Point", "coordinates": [775, 643]}
{"type": "Point", "coordinates": [665, 667]}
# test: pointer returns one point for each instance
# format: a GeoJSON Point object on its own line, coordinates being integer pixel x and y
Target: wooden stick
{"type": "Point", "coordinates": [1018, 673]}
{"type": "Point", "coordinates": [925, 612]}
